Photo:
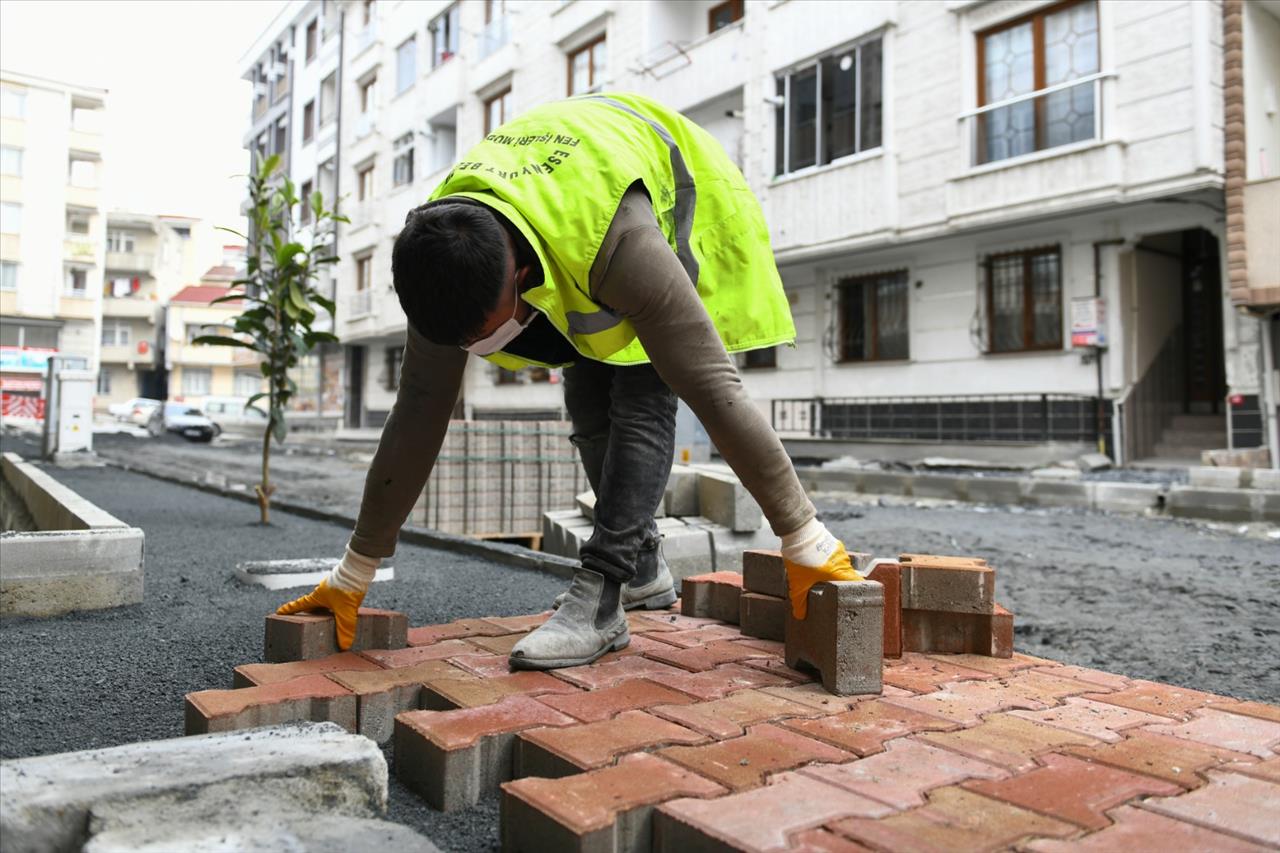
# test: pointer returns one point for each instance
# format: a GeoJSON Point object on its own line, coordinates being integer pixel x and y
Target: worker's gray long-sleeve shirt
{"type": "Point", "coordinates": [638, 276]}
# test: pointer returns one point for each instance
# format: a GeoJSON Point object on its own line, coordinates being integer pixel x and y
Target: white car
{"type": "Point", "coordinates": [182, 419]}
{"type": "Point", "coordinates": [230, 414]}
{"type": "Point", "coordinates": [137, 411]}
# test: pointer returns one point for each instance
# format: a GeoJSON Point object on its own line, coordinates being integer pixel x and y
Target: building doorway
{"type": "Point", "coordinates": [355, 387]}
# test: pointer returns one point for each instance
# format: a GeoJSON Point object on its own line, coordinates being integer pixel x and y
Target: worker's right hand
{"type": "Point", "coordinates": [343, 604]}
{"type": "Point", "coordinates": [800, 579]}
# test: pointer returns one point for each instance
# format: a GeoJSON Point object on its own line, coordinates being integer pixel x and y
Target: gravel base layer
{"type": "Point", "coordinates": [1151, 598]}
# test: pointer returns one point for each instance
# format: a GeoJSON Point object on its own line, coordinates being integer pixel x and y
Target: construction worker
{"type": "Point", "coordinates": [612, 236]}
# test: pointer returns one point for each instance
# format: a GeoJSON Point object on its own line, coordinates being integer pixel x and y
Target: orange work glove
{"type": "Point", "coordinates": [342, 603]}
{"type": "Point", "coordinates": [800, 579]}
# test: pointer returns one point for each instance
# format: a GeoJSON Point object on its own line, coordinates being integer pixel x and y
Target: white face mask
{"type": "Point", "coordinates": [503, 335]}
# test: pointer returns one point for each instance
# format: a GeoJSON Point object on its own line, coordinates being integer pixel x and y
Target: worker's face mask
{"type": "Point", "coordinates": [504, 334]}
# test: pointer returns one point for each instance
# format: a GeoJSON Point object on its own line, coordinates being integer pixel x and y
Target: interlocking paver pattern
{"type": "Point", "coordinates": [699, 738]}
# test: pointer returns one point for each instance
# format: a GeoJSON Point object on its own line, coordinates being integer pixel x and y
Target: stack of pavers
{"type": "Point", "coordinates": [702, 736]}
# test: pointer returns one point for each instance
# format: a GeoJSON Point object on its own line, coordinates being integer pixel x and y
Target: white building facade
{"type": "Point", "coordinates": [955, 190]}
{"type": "Point", "coordinates": [52, 231]}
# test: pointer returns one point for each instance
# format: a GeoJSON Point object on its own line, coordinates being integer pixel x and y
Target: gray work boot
{"type": "Point", "coordinates": [651, 593]}
{"type": "Point", "coordinates": [588, 624]}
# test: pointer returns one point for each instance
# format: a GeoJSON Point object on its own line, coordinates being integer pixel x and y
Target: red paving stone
{"type": "Point", "coordinates": [864, 728]}
{"type": "Point", "coordinates": [696, 737]}
{"type": "Point", "coordinates": [745, 762]}
{"type": "Point", "coordinates": [1074, 790]}
{"type": "Point", "coordinates": [906, 771]}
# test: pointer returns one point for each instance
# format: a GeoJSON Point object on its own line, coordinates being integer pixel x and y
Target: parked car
{"type": "Point", "coordinates": [138, 410]}
{"type": "Point", "coordinates": [230, 415]}
{"type": "Point", "coordinates": [182, 419]}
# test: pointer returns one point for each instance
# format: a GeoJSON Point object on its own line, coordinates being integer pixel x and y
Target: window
{"type": "Point", "coordinates": [246, 384]}
{"type": "Point", "coordinates": [8, 275]}
{"type": "Point", "coordinates": [873, 317]}
{"type": "Point", "coordinates": [13, 103]}
{"type": "Point", "coordinates": [496, 110]}
{"type": "Point", "coordinates": [115, 334]}
{"type": "Point", "coordinates": [1026, 56]}
{"type": "Point", "coordinates": [308, 121]}
{"type": "Point", "coordinates": [10, 160]}
{"type": "Point", "coordinates": [444, 36]}
{"type": "Point", "coordinates": [83, 173]}
{"type": "Point", "coordinates": [366, 13]}
{"type": "Point", "coordinates": [77, 282]}
{"type": "Point", "coordinates": [391, 370]}
{"type": "Point", "coordinates": [402, 166]}
{"type": "Point", "coordinates": [723, 15]}
{"type": "Point", "coordinates": [406, 64]}
{"type": "Point", "coordinates": [364, 183]}
{"type": "Point", "coordinates": [761, 358]}
{"type": "Point", "coordinates": [328, 99]}
{"type": "Point", "coordinates": [311, 39]}
{"type": "Point", "coordinates": [496, 30]}
{"type": "Point", "coordinates": [119, 241]}
{"type": "Point", "coordinates": [364, 272]}
{"type": "Point", "coordinates": [304, 209]}
{"type": "Point", "coordinates": [77, 223]}
{"type": "Point", "coordinates": [196, 381]}
{"type": "Point", "coordinates": [10, 218]}
{"type": "Point", "coordinates": [281, 142]}
{"type": "Point", "coordinates": [104, 381]}
{"type": "Point", "coordinates": [368, 94]}
{"type": "Point", "coordinates": [195, 330]}
{"type": "Point", "coordinates": [1024, 300]}
{"type": "Point", "coordinates": [121, 287]}
{"type": "Point", "coordinates": [831, 109]}
{"type": "Point", "coordinates": [26, 336]}
{"type": "Point", "coordinates": [183, 231]}
{"type": "Point", "coordinates": [586, 67]}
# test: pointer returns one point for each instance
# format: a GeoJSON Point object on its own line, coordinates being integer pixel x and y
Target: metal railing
{"type": "Point", "coordinates": [1065, 99]}
{"type": "Point", "coordinates": [495, 34]}
{"type": "Point", "coordinates": [359, 303]}
{"type": "Point", "coordinates": [1020, 418]}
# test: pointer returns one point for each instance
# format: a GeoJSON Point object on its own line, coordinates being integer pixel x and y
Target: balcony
{"type": "Point", "coordinates": [87, 197]}
{"type": "Point", "coordinates": [89, 142]}
{"type": "Point", "coordinates": [201, 355]}
{"type": "Point", "coordinates": [1262, 250]}
{"type": "Point", "coordinates": [359, 303]}
{"type": "Point", "coordinates": [83, 251]}
{"type": "Point", "coordinates": [685, 74]}
{"type": "Point", "coordinates": [494, 36]}
{"type": "Point", "coordinates": [130, 261]}
{"type": "Point", "coordinates": [76, 307]}
{"type": "Point", "coordinates": [365, 125]}
{"type": "Point", "coordinates": [129, 353]}
{"type": "Point", "coordinates": [138, 307]}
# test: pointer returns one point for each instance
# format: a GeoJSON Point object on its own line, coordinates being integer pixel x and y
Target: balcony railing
{"type": "Point", "coordinates": [365, 38]}
{"type": "Point", "coordinates": [495, 34]}
{"type": "Point", "coordinates": [79, 250]}
{"type": "Point", "coordinates": [1056, 115]}
{"type": "Point", "coordinates": [359, 304]}
{"type": "Point", "coordinates": [130, 261]}
{"type": "Point", "coordinates": [365, 125]}
{"type": "Point", "coordinates": [960, 418]}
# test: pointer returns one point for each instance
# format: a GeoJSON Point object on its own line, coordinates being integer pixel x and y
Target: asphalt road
{"type": "Point", "coordinates": [1153, 598]}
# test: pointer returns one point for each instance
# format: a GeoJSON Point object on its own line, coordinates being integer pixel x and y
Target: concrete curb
{"type": "Point", "coordinates": [1178, 500]}
{"type": "Point", "coordinates": [501, 552]}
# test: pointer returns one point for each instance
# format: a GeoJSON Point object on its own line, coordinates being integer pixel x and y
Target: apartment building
{"type": "Point", "coordinates": [197, 371]}
{"type": "Point", "coordinates": [52, 230]}
{"type": "Point", "coordinates": [996, 221]}
{"type": "Point", "coordinates": [295, 70]}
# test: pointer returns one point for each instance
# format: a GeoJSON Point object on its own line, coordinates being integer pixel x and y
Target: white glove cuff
{"type": "Point", "coordinates": [355, 572]}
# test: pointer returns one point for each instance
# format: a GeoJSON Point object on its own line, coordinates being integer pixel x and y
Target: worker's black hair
{"type": "Point", "coordinates": [447, 266]}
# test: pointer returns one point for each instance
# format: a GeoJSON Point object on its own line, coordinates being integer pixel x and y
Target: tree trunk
{"type": "Point", "coordinates": [264, 488]}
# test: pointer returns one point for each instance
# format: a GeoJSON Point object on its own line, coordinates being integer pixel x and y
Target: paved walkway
{"type": "Point", "coordinates": [698, 738]}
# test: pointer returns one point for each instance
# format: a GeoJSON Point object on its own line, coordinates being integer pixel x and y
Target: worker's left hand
{"type": "Point", "coordinates": [343, 604]}
{"type": "Point", "coordinates": [800, 579]}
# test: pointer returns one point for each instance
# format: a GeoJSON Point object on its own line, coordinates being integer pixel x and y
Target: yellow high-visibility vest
{"type": "Point", "coordinates": [558, 173]}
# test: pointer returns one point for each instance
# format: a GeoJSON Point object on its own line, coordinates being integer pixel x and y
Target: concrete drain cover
{"type": "Point", "coordinates": [285, 574]}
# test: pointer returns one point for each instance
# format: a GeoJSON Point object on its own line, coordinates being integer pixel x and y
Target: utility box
{"type": "Point", "coordinates": [68, 424]}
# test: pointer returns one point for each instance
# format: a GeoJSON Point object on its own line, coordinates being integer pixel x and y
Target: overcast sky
{"type": "Point", "coordinates": [176, 108]}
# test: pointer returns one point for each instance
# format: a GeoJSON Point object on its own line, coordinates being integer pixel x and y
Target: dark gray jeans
{"type": "Point", "coordinates": [624, 426]}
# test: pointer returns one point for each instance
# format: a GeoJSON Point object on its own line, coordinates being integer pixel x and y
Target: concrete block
{"type": "Point", "coordinates": [1267, 479]}
{"type": "Point", "coordinates": [951, 587]}
{"type": "Point", "coordinates": [942, 486]}
{"type": "Point", "coordinates": [1094, 462]}
{"type": "Point", "coordinates": [763, 616]}
{"type": "Point", "coordinates": [46, 803]}
{"type": "Point", "coordinates": [727, 545]}
{"type": "Point", "coordinates": [287, 574]}
{"type": "Point", "coordinates": [958, 633]}
{"type": "Point", "coordinates": [885, 482]}
{"type": "Point", "coordinates": [698, 595]}
{"type": "Point", "coordinates": [1217, 504]}
{"type": "Point", "coordinates": [264, 834]}
{"type": "Point", "coordinates": [724, 500]}
{"type": "Point", "coordinates": [304, 636]}
{"type": "Point", "coordinates": [1244, 457]}
{"type": "Point", "coordinates": [311, 698]}
{"type": "Point", "coordinates": [50, 573]}
{"type": "Point", "coordinates": [53, 505]}
{"type": "Point", "coordinates": [1215, 478]}
{"type": "Point", "coordinates": [1126, 497]}
{"type": "Point", "coordinates": [586, 503]}
{"type": "Point", "coordinates": [888, 573]}
{"type": "Point", "coordinates": [763, 572]}
{"type": "Point", "coordinates": [1056, 493]}
{"type": "Point", "coordinates": [1005, 491]}
{"type": "Point", "coordinates": [681, 496]}
{"type": "Point", "coordinates": [841, 636]}
{"type": "Point", "coordinates": [687, 550]}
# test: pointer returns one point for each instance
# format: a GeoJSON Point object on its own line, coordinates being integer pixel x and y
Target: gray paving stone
{"type": "Point", "coordinates": [724, 500]}
{"type": "Point", "coordinates": [46, 802]}
{"type": "Point", "coordinates": [841, 636]}
{"type": "Point", "coordinates": [268, 833]}
{"type": "Point", "coordinates": [681, 496]}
